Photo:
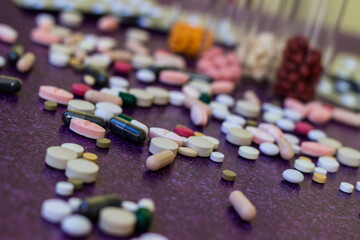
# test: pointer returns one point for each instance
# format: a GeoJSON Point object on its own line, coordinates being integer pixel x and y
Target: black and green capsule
{"type": "Point", "coordinates": [72, 114]}
{"type": "Point", "coordinates": [9, 84]}
{"type": "Point", "coordinates": [126, 130]}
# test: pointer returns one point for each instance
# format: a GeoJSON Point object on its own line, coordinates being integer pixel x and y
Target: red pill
{"type": "Point", "coordinates": [184, 131]}
{"type": "Point", "coordinates": [122, 67]}
{"type": "Point", "coordinates": [303, 128]}
{"type": "Point", "coordinates": [79, 89]}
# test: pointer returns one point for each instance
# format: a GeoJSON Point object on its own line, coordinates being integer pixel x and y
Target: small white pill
{"type": "Point", "coordinates": [74, 203]}
{"type": "Point", "coordinates": [176, 98]}
{"type": "Point", "coordinates": [64, 189]}
{"type": "Point", "coordinates": [248, 152]}
{"type": "Point", "coordinates": [285, 124]}
{"type": "Point", "coordinates": [269, 149]}
{"type": "Point", "coordinates": [115, 81]}
{"type": "Point", "coordinates": [217, 157]}
{"type": "Point", "coordinates": [147, 203]}
{"type": "Point", "coordinates": [71, 19]}
{"type": "Point", "coordinates": [270, 117]}
{"type": "Point", "coordinates": [54, 210]}
{"type": "Point", "coordinates": [346, 187]}
{"type": "Point", "coordinates": [225, 126]}
{"type": "Point", "coordinates": [328, 163]}
{"type": "Point", "coordinates": [292, 114]}
{"type": "Point", "coordinates": [220, 113]}
{"type": "Point", "coordinates": [292, 138]}
{"type": "Point", "coordinates": [320, 170]}
{"type": "Point", "coordinates": [76, 225]}
{"type": "Point", "coordinates": [105, 114]}
{"type": "Point", "coordinates": [293, 176]}
{"type": "Point", "coordinates": [112, 107]}
{"type": "Point", "coordinates": [213, 105]}
{"type": "Point", "coordinates": [358, 186]}
{"type": "Point", "coordinates": [304, 166]}
{"type": "Point", "coordinates": [266, 106]}
{"type": "Point", "coordinates": [225, 99]}
{"type": "Point", "coordinates": [58, 59]}
{"type": "Point", "coordinates": [315, 134]}
{"type": "Point", "coordinates": [236, 119]}
{"type": "Point", "coordinates": [129, 206]}
{"type": "Point", "coordinates": [145, 75]}
{"type": "Point", "coordinates": [296, 148]}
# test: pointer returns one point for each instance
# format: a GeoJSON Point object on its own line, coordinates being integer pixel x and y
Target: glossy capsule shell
{"type": "Point", "coordinates": [15, 54]}
{"type": "Point", "coordinates": [129, 100]}
{"type": "Point", "coordinates": [160, 160]}
{"type": "Point", "coordinates": [125, 129]}
{"type": "Point", "coordinates": [9, 84]}
{"type": "Point", "coordinates": [72, 114]}
{"type": "Point", "coordinates": [101, 78]}
{"type": "Point", "coordinates": [242, 205]}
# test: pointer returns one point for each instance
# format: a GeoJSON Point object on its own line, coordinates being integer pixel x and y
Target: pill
{"type": "Point", "coordinates": [305, 158]}
{"type": "Point", "coordinates": [89, 80]}
{"type": "Point", "coordinates": [271, 129]}
{"type": "Point", "coordinates": [292, 138]}
{"type": "Point", "coordinates": [215, 141]}
{"type": "Point", "coordinates": [346, 187]}
{"type": "Point", "coordinates": [348, 156]}
{"type": "Point", "coordinates": [293, 114]}
{"type": "Point", "coordinates": [260, 136]}
{"type": "Point", "coordinates": [87, 129]}
{"type": "Point", "coordinates": [220, 113]}
{"type": "Point", "coordinates": [122, 67]}
{"type": "Point", "coordinates": [81, 106]}
{"type": "Point", "coordinates": [331, 142]}
{"type": "Point", "coordinates": [269, 149]}
{"type": "Point", "coordinates": [191, 91]}
{"type": "Point", "coordinates": [115, 109]}
{"type": "Point", "coordinates": [304, 166]}
{"type": "Point", "coordinates": [10, 84]}
{"type": "Point", "coordinates": [225, 99]}
{"type": "Point", "coordinates": [78, 184]}
{"type": "Point", "coordinates": [160, 160]}
{"type": "Point", "coordinates": [184, 131]}
{"type": "Point", "coordinates": [143, 219]}
{"type": "Point", "coordinates": [315, 134]}
{"type": "Point", "coordinates": [143, 98]}
{"type": "Point", "coordinates": [116, 81]}
{"type": "Point", "coordinates": [226, 125]}
{"type": "Point", "coordinates": [50, 106]}
{"type": "Point", "coordinates": [137, 34]}
{"type": "Point", "coordinates": [316, 149]}
{"type": "Point", "coordinates": [319, 178]}
{"type": "Point", "coordinates": [176, 98]}
{"type": "Point", "coordinates": [248, 152]}
{"type": "Point", "coordinates": [198, 115]}
{"type": "Point", "coordinates": [198, 134]}
{"type": "Point", "coordinates": [26, 62]}
{"type": "Point", "coordinates": [101, 78]}
{"type": "Point", "coordinates": [320, 170]}
{"type": "Point", "coordinates": [15, 54]}
{"type": "Point", "coordinates": [224, 87]}
{"type": "Point", "coordinates": [296, 105]}
{"type": "Point", "coordinates": [126, 130]}
{"type": "Point", "coordinates": [103, 142]}
{"type": "Point", "coordinates": [217, 157]}
{"type": "Point", "coordinates": [293, 176]}
{"type": "Point", "coordinates": [97, 96]}
{"type": "Point", "coordinates": [286, 150]}
{"type": "Point", "coordinates": [236, 119]}
{"type": "Point", "coordinates": [64, 189]}
{"type": "Point", "coordinates": [285, 124]}
{"type": "Point", "coordinates": [2, 61]}
{"type": "Point", "coordinates": [68, 115]}
{"type": "Point", "coordinates": [319, 115]}
{"type": "Point", "coordinates": [76, 226]}
{"type": "Point", "coordinates": [134, 122]}
{"type": "Point", "coordinates": [7, 33]}
{"type": "Point", "coordinates": [242, 205]}
{"type": "Point", "coordinates": [247, 109]}
{"type": "Point", "coordinates": [159, 144]}
{"type": "Point", "coordinates": [161, 132]}
{"type": "Point", "coordinates": [228, 175]}
{"type": "Point", "coordinates": [55, 94]}
{"type": "Point", "coordinates": [71, 18]}
{"type": "Point", "coordinates": [189, 102]}
{"type": "Point", "coordinates": [90, 156]}
{"type": "Point", "coordinates": [358, 185]}
{"type": "Point", "coordinates": [54, 210]}
{"type": "Point", "coordinates": [161, 95]}
{"type": "Point", "coordinates": [43, 37]}
{"type": "Point", "coordinates": [75, 147]}
{"type": "Point", "coordinates": [58, 59]}
{"type": "Point", "coordinates": [146, 76]}
{"type": "Point", "coordinates": [201, 145]}
{"type": "Point", "coordinates": [270, 117]}
{"type": "Point", "coordinates": [303, 128]}
{"type": "Point", "coordinates": [239, 136]}
{"type": "Point", "coordinates": [108, 23]}
{"type": "Point", "coordinates": [142, 61]}
{"type": "Point", "coordinates": [188, 152]}
{"type": "Point", "coordinates": [74, 203]}
{"type": "Point", "coordinates": [44, 20]}
{"type": "Point", "coordinates": [117, 222]}
{"type": "Point", "coordinates": [129, 206]}
{"type": "Point", "coordinates": [82, 169]}
{"type": "Point", "coordinates": [147, 203]}
{"type": "Point", "coordinates": [58, 157]}
{"type": "Point", "coordinates": [251, 123]}
{"type": "Point", "coordinates": [296, 148]}
{"type": "Point", "coordinates": [92, 206]}
{"type": "Point", "coordinates": [346, 117]}
{"type": "Point", "coordinates": [172, 77]}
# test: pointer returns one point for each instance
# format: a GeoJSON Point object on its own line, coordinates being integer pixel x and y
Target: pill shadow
{"type": "Point", "coordinates": [237, 221]}
{"type": "Point", "coordinates": [226, 184]}
{"type": "Point", "coordinates": [9, 98]}
{"type": "Point", "coordinates": [157, 176]}
{"type": "Point", "coordinates": [344, 195]}
{"type": "Point", "coordinates": [289, 187]}
{"type": "Point", "coordinates": [316, 185]}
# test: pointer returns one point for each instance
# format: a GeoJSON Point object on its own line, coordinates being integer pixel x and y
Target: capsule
{"type": "Point", "coordinates": [205, 98]}
{"type": "Point", "coordinates": [134, 122]}
{"type": "Point", "coordinates": [101, 78]}
{"type": "Point", "coordinates": [143, 219]}
{"type": "Point", "coordinates": [125, 129]}
{"type": "Point", "coordinates": [9, 84]}
{"type": "Point", "coordinates": [15, 54]}
{"type": "Point", "coordinates": [72, 114]}
{"type": "Point", "coordinates": [160, 160]}
{"type": "Point", "coordinates": [91, 206]}
{"type": "Point", "coordinates": [129, 100]}
{"type": "Point", "coordinates": [242, 205]}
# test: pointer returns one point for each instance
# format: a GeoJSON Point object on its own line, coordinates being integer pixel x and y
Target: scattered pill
{"type": "Point", "coordinates": [260, 136]}
{"type": "Point", "coordinates": [331, 142]}
{"type": "Point", "coordinates": [201, 145]}
{"type": "Point", "coordinates": [172, 77]}
{"type": "Point", "coordinates": [15, 54]}
{"type": "Point", "coordinates": [319, 178]}
{"type": "Point", "coordinates": [81, 106]}
{"type": "Point", "coordinates": [198, 115]}
{"type": "Point", "coordinates": [146, 76]}
{"type": "Point", "coordinates": [64, 189]}
{"type": "Point", "coordinates": [71, 18]}
{"type": "Point", "coordinates": [55, 94]}
{"type": "Point", "coordinates": [228, 175]}
{"type": "Point", "coordinates": [159, 144]}
{"type": "Point", "coordinates": [225, 126]}
{"type": "Point", "coordinates": [68, 115]}
{"type": "Point", "coordinates": [76, 225]}
{"type": "Point", "coordinates": [239, 136]}
{"type": "Point", "coordinates": [90, 156]}
{"type": "Point", "coordinates": [116, 221]}
{"type": "Point", "coordinates": [346, 187]}
{"type": "Point", "coordinates": [188, 152]}
{"type": "Point", "coordinates": [242, 205]}
{"type": "Point", "coordinates": [217, 157]}
{"type": "Point", "coordinates": [176, 98]}
{"type": "Point", "coordinates": [225, 99]}
{"type": "Point", "coordinates": [50, 106]}
{"type": "Point", "coordinates": [293, 176]}
{"type": "Point", "coordinates": [315, 149]}
{"type": "Point", "coordinates": [328, 163]}
{"type": "Point", "coordinates": [82, 169]}
{"type": "Point", "coordinates": [358, 186]}
{"type": "Point", "coordinates": [87, 129]}
{"type": "Point", "coordinates": [7, 33]}
{"type": "Point", "coordinates": [303, 128]}
{"type": "Point", "coordinates": [316, 134]}
{"type": "Point", "coordinates": [160, 160]}
{"type": "Point", "coordinates": [147, 203]}
{"type": "Point", "coordinates": [26, 62]}
{"type": "Point", "coordinates": [54, 210]}
{"type": "Point", "coordinates": [127, 130]}
{"type": "Point", "coordinates": [247, 109]}
{"type": "Point", "coordinates": [161, 95]}
{"type": "Point", "coordinates": [215, 141]}
{"type": "Point", "coordinates": [95, 96]}
{"type": "Point", "coordinates": [103, 142]}
{"type": "Point", "coordinates": [271, 129]}
{"type": "Point", "coordinates": [143, 98]}
{"type": "Point", "coordinates": [286, 150]}
{"type": "Point", "coordinates": [269, 149]}
{"type": "Point", "coordinates": [129, 206]}
{"type": "Point", "coordinates": [75, 147]}
{"type": "Point", "coordinates": [10, 84]}
{"type": "Point", "coordinates": [74, 203]}
{"type": "Point", "coordinates": [236, 119]}
{"type": "Point", "coordinates": [58, 157]}
{"type": "Point", "coordinates": [285, 124]}
{"type": "Point", "coordinates": [248, 152]}
{"type": "Point", "coordinates": [348, 156]}
{"type": "Point", "coordinates": [78, 184]}
{"type": "Point", "coordinates": [304, 166]}
{"type": "Point", "coordinates": [292, 138]}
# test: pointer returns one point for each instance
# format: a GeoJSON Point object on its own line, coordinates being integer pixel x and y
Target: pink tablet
{"type": "Point", "coordinates": [87, 129]}
{"type": "Point", "coordinates": [55, 94]}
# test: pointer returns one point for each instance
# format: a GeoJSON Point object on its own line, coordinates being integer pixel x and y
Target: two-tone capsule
{"type": "Point", "coordinates": [9, 84]}
{"type": "Point", "coordinates": [91, 206]}
{"type": "Point", "coordinates": [72, 114]}
{"type": "Point", "coordinates": [126, 130]}
{"type": "Point", "coordinates": [134, 122]}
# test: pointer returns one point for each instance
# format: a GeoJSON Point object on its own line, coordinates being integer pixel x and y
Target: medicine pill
{"type": "Point", "coordinates": [81, 106]}
{"type": "Point", "coordinates": [248, 152]}
{"type": "Point", "coordinates": [54, 210]}
{"type": "Point", "coordinates": [92, 206]}
{"type": "Point", "coordinates": [319, 178]}
{"type": "Point", "coordinates": [315, 149]}
{"type": "Point", "coordinates": [201, 145]}
{"type": "Point", "coordinates": [328, 163]}
{"type": "Point", "coordinates": [64, 189]}
{"type": "Point", "coordinates": [86, 128]}
{"type": "Point", "coordinates": [304, 166]}
{"type": "Point", "coordinates": [76, 226]}
{"type": "Point", "coordinates": [161, 132]}
{"type": "Point", "coordinates": [269, 149]}
{"type": "Point", "coordinates": [15, 54]}
{"type": "Point", "coordinates": [159, 144]}
{"type": "Point", "coordinates": [217, 157]}
{"type": "Point", "coordinates": [75, 147]}
{"type": "Point", "coordinates": [160, 160]}
{"type": "Point", "coordinates": [242, 205]}
{"type": "Point", "coordinates": [117, 222]}
{"type": "Point", "coordinates": [316, 134]}
{"type": "Point", "coordinates": [126, 130]}
{"type": "Point", "coordinates": [239, 136]}
{"type": "Point", "coordinates": [143, 219]}
{"type": "Point", "coordinates": [10, 84]}
{"type": "Point", "coordinates": [228, 175]}
{"type": "Point", "coordinates": [286, 150]}
{"type": "Point", "coordinates": [188, 152]}
{"type": "Point", "coordinates": [129, 206]}
{"type": "Point", "coordinates": [103, 142]}
{"type": "Point", "coordinates": [147, 203]}
{"type": "Point", "coordinates": [320, 170]}
{"type": "Point", "coordinates": [55, 94]}
{"type": "Point", "coordinates": [348, 156]}
{"type": "Point", "coordinates": [58, 157]}
{"type": "Point", "coordinates": [26, 62]}
{"type": "Point", "coordinates": [293, 176]}
{"type": "Point", "coordinates": [346, 187]}
{"type": "Point", "coordinates": [82, 169]}
{"type": "Point", "coordinates": [68, 115]}
{"type": "Point", "coordinates": [50, 106]}
{"type": "Point", "coordinates": [247, 109]}
{"type": "Point", "coordinates": [143, 98]}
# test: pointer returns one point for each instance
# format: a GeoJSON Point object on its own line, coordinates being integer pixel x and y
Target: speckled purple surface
{"type": "Point", "coordinates": [191, 199]}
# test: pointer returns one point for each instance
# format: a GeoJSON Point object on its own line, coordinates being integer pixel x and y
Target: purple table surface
{"type": "Point", "coordinates": [191, 199]}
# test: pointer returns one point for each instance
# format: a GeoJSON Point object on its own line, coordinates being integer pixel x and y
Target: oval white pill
{"type": "Point", "coordinates": [147, 203]}
{"type": "Point", "coordinates": [76, 225]}
{"type": "Point", "coordinates": [74, 203]}
{"type": "Point", "coordinates": [58, 59]}
{"type": "Point", "coordinates": [328, 163]}
{"type": "Point", "coordinates": [145, 75]}
{"type": "Point", "coordinates": [104, 113]}
{"type": "Point", "coordinates": [293, 176]}
{"type": "Point", "coordinates": [225, 99]}
{"type": "Point", "coordinates": [75, 147]}
{"type": "Point", "coordinates": [64, 188]}
{"type": "Point", "coordinates": [269, 149]}
{"type": "Point", "coordinates": [112, 107]}
{"type": "Point", "coordinates": [285, 124]}
{"type": "Point", "coordinates": [115, 81]}
{"type": "Point", "coordinates": [236, 119]}
{"type": "Point", "coordinates": [248, 152]}
{"type": "Point", "coordinates": [217, 157]}
{"type": "Point", "coordinates": [225, 126]}
{"type": "Point", "coordinates": [220, 113]}
{"type": "Point", "coordinates": [346, 187]}
{"type": "Point", "coordinates": [292, 138]}
{"type": "Point", "coordinates": [54, 210]}
{"type": "Point", "coordinates": [292, 114]}
{"type": "Point", "coordinates": [82, 169]}
{"type": "Point", "coordinates": [315, 134]}
{"type": "Point", "coordinates": [176, 98]}
{"type": "Point", "coordinates": [320, 170]}
{"type": "Point", "coordinates": [304, 166]}
{"type": "Point", "coordinates": [211, 139]}
{"type": "Point", "coordinates": [270, 117]}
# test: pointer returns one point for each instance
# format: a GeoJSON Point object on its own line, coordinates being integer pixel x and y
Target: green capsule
{"type": "Point", "coordinates": [129, 100]}
{"type": "Point", "coordinates": [126, 117]}
{"type": "Point", "coordinates": [143, 219]}
{"type": "Point", "coordinates": [205, 98]}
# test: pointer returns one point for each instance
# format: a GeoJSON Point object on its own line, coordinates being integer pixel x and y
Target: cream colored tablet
{"type": "Point", "coordinates": [215, 141]}
{"type": "Point", "coordinates": [82, 106]}
{"type": "Point", "coordinates": [116, 221]}
{"type": "Point", "coordinates": [331, 142]}
{"type": "Point", "coordinates": [57, 157]}
{"type": "Point", "coordinates": [304, 166]}
{"type": "Point", "coordinates": [239, 136]}
{"type": "Point", "coordinates": [159, 144]}
{"type": "Point", "coordinates": [203, 146]}
{"type": "Point", "coordinates": [82, 169]}
{"type": "Point", "coordinates": [143, 98]}
{"type": "Point", "coordinates": [161, 95]}
{"type": "Point", "coordinates": [247, 109]}
{"type": "Point", "coordinates": [75, 147]}
{"type": "Point", "coordinates": [188, 152]}
{"type": "Point", "coordinates": [348, 156]}
{"type": "Point", "coordinates": [248, 152]}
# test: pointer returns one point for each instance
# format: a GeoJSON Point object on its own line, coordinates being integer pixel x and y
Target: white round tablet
{"type": "Point", "coordinates": [220, 113]}
{"type": "Point", "coordinates": [320, 170]}
{"type": "Point", "coordinates": [116, 221]}
{"type": "Point", "coordinates": [217, 105]}
{"type": "Point", "coordinates": [145, 75]}
{"type": "Point", "coordinates": [285, 124]}
{"type": "Point", "coordinates": [225, 126]}
{"type": "Point", "coordinates": [81, 105]}
{"type": "Point", "coordinates": [201, 145]}
{"type": "Point", "coordinates": [269, 149]}
{"type": "Point", "coordinates": [348, 156]}
{"type": "Point", "coordinates": [147, 203]}
{"type": "Point", "coordinates": [292, 114]}
{"type": "Point", "coordinates": [64, 188]}
{"type": "Point", "coordinates": [293, 176]}
{"type": "Point", "coordinates": [346, 187]}
{"type": "Point", "coordinates": [76, 225]}
{"type": "Point", "coordinates": [58, 157]}
{"type": "Point", "coordinates": [270, 117]}
{"type": "Point", "coordinates": [328, 163]}
{"type": "Point", "coordinates": [236, 119]}
{"type": "Point", "coordinates": [292, 138]}
{"type": "Point", "coordinates": [304, 166]}
{"type": "Point", "coordinates": [215, 141]}
{"type": "Point", "coordinates": [217, 157]}
{"type": "Point", "coordinates": [54, 210]}
{"type": "Point", "coordinates": [111, 107]}
{"type": "Point", "coordinates": [104, 113]}
{"type": "Point", "coordinates": [82, 169]}
{"type": "Point", "coordinates": [115, 81]}
{"type": "Point", "coordinates": [75, 147]}
{"type": "Point", "coordinates": [225, 99]}
{"type": "Point", "coordinates": [315, 134]}
{"type": "Point", "coordinates": [248, 152]}
{"type": "Point", "coordinates": [176, 98]}
{"type": "Point", "coordinates": [129, 206]}
{"type": "Point", "coordinates": [266, 106]}
{"type": "Point", "coordinates": [74, 203]}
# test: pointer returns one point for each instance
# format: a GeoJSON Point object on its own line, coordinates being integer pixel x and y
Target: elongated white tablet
{"type": "Point", "coordinates": [112, 107]}
{"type": "Point", "coordinates": [269, 149]}
{"type": "Point", "coordinates": [293, 176]}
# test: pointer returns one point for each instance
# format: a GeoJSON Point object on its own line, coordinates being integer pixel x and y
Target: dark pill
{"type": "Point", "coordinates": [9, 84]}
{"type": "Point", "coordinates": [101, 78]}
{"type": "Point", "coordinates": [126, 130]}
{"type": "Point", "coordinates": [15, 53]}
{"type": "Point", "coordinates": [72, 114]}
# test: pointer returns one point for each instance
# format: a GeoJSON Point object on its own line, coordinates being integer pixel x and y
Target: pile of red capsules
{"type": "Point", "coordinates": [299, 71]}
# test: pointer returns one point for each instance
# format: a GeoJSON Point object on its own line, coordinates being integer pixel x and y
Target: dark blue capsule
{"type": "Point", "coordinates": [72, 114]}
